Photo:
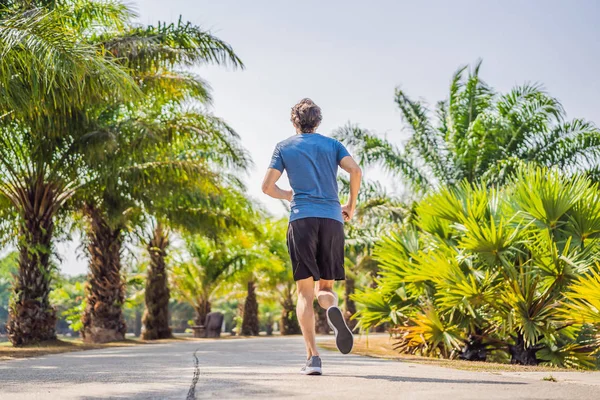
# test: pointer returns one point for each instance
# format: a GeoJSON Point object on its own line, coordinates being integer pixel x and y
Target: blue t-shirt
{"type": "Point", "coordinates": [311, 161]}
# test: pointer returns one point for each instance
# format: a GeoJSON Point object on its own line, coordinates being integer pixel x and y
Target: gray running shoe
{"type": "Point", "coordinates": [312, 366]}
{"type": "Point", "coordinates": [343, 335]}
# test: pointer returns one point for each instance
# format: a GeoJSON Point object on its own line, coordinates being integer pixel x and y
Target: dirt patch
{"type": "Point", "coordinates": [381, 347]}
{"type": "Point", "coordinates": [8, 352]}
{"type": "Point", "coordinates": [65, 345]}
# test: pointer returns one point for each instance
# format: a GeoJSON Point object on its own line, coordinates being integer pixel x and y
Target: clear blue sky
{"type": "Point", "coordinates": [348, 56]}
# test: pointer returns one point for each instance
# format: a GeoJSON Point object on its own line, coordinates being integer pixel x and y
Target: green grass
{"type": "Point", "coordinates": [549, 378]}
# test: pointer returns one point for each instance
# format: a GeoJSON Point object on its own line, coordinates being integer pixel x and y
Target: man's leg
{"type": "Point", "coordinates": [306, 314]}
{"type": "Point", "coordinates": [325, 294]}
{"type": "Point", "coordinates": [328, 300]}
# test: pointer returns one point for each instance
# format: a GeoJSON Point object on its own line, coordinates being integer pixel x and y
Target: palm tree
{"type": "Point", "coordinates": [47, 75]}
{"type": "Point", "coordinates": [495, 273]}
{"type": "Point", "coordinates": [477, 133]}
{"type": "Point", "coordinates": [276, 277]}
{"type": "Point", "coordinates": [211, 265]}
{"type": "Point", "coordinates": [157, 294]}
{"type": "Point", "coordinates": [250, 323]}
{"type": "Point", "coordinates": [191, 210]}
{"type": "Point", "coordinates": [169, 179]}
{"type": "Point", "coordinates": [134, 148]}
{"type": "Point", "coordinates": [289, 324]}
{"type": "Point", "coordinates": [198, 199]}
{"type": "Point", "coordinates": [247, 281]}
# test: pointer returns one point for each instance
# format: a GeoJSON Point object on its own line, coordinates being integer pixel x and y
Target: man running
{"type": "Point", "coordinates": [315, 235]}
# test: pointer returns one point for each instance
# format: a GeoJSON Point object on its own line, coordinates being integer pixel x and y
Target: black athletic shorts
{"type": "Point", "coordinates": [316, 247]}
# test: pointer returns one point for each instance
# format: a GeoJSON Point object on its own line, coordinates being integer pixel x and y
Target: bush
{"type": "Point", "coordinates": [486, 273]}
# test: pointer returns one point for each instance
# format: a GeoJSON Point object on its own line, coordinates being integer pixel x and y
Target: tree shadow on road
{"type": "Point", "coordinates": [393, 378]}
{"type": "Point", "coordinates": [162, 394]}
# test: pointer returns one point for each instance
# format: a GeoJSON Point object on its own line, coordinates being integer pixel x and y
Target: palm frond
{"type": "Point", "coordinates": [167, 45]}
{"type": "Point", "coordinates": [469, 97]}
{"type": "Point", "coordinates": [177, 86]}
{"type": "Point", "coordinates": [43, 64]}
{"type": "Point", "coordinates": [373, 150]}
{"type": "Point", "coordinates": [93, 17]}
{"type": "Point", "coordinates": [427, 141]}
{"type": "Point", "coordinates": [584, 299]}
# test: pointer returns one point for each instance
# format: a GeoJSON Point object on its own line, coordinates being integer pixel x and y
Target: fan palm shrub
{"type": "Point", "coordinates": [495, 273]}
{"type": "Point", "coordinates": [376, 215]}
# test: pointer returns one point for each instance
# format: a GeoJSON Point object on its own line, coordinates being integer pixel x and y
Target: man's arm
{"type": "Point", "coordinates": [349, 165]}
{"type": "Point", "coordinates": [270, 187]}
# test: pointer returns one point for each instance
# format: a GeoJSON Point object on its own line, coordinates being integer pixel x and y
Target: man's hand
{"type": "Point", "coordinates": [289, 195]}
{"type": "Point", "coordinates": [347, 212]}
{"type": "Point", "coordinates": [349, 165]}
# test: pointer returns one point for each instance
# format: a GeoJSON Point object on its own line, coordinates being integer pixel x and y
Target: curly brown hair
{"type": "Point", "coordinates": [306, 116]}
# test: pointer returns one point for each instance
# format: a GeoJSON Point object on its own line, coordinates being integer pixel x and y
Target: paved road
{"type": "Point", "coordinates": [264, 368]}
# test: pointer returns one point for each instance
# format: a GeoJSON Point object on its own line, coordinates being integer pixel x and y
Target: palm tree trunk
{"type": "Point", "coordinates": [137, 329]}
{"type": "Point", "coordinates": [521, 354]}
{"type": "Point", "coordinates": [156, 316]}
{"type": "Point", "coordinates": [103, 317]}
{"type": "Point", "coordinates": [474, 349]}
{"type": "Point", "coordinates": [349, 303]}
{"type": "Point", "coordinates": [31, 318]}
{"type": "Point", "coordinates": [201, 312]}
{"type": "Point", "coordinates": [250, 321]}
{"type": "Point", "coordinates": [239, 315]}
{"type": "Point", "coordinates": [289, 320]}
{"type": "Point", "coordinates": [321, 326]}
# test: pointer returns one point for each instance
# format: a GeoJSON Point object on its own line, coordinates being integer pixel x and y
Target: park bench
{"type": "Point", "coordinates": [199, 331]}
{"type": "Point", "coordinates": [211, 328]}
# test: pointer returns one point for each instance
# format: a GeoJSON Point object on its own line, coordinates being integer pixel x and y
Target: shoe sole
{"type": "Point", "coordinates": [312, 371]}
{"type": "Point", "coordinates": [343, 335]}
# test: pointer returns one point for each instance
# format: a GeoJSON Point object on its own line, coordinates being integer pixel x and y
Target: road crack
{"type": "Point", "coordinates": [192, 392]}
